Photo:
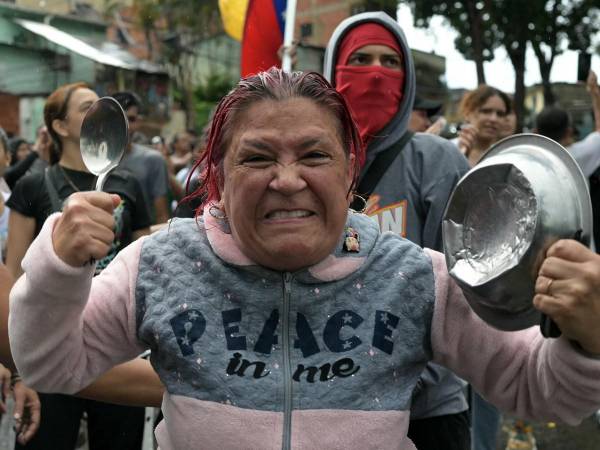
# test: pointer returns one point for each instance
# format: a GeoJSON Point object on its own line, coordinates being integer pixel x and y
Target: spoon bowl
{"type": "Point", "coordinates": [103, 138]}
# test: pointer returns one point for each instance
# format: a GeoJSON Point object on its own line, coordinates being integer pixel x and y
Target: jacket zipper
{"type": "Point", "coordinates": [287, 371]}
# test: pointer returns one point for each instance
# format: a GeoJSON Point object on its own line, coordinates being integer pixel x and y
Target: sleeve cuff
{"type": "Point", "coordinates": [44, 267]}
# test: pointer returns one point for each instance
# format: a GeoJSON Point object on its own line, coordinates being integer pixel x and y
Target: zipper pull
{"type": "Point", "coordinates": [287, 278]}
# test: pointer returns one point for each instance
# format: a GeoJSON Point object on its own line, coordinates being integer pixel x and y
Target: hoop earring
{"type": "Point", "coordinates": [217, 212]}
{"type": "Point", "coordinates": [355, 205]}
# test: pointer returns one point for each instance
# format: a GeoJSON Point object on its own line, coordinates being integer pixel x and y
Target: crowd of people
{"type": "Point", "coordinates": [276, 313]}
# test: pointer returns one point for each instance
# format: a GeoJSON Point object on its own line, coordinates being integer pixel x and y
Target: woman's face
{"type": "Point", "coordinates": [489, 118]}
{"type": "Point", "coordinates": [79, 103]}
{"type": "Point", "coordinates": [286, 184]}
{"type": "Point", "coordinates": [22, 151]}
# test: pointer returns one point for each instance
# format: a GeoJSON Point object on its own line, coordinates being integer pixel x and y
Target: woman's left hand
{"type": "Point", "coordinates": [568, 290]}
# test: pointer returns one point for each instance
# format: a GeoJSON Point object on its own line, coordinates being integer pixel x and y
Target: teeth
{"type": "Point", "coordinates": [289, 214]}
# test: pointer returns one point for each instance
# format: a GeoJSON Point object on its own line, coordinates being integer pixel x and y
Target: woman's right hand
{"type": "Point", "coordinates": [466, 139]}
{"type": "Point", "coordinates": [42, 144]}
{"type": "Point", "coordinates": [84, 231]}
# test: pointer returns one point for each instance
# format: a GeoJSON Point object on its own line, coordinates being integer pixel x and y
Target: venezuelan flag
{"type": "Point", "coordinates": [260, 24]}
{"type": "Point", "coordinates": [233, 15]}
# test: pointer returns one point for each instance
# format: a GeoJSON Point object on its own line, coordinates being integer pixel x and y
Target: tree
{"type": "Point", "coordinates": [484, 25]}
{"type": "Point", "coordinates": [557, 21]}
{"type": "Point", "coordinates": [510, 21]}
{"type": "Point", "coordinates": [387, 6]}
{"type": "Point", "coordinates": [475, 40]}
{"type": "Point", "coordinates": [148, 13]}
{"type": "Point", "coordinates": [184, 24]}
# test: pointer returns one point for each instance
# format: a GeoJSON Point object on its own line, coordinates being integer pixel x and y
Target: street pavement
{"type": "Point", "coordinates": [550, 436]}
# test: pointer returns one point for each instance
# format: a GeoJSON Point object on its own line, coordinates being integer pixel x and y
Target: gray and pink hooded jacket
{"type": "Point", "coordinates": [322, 358]}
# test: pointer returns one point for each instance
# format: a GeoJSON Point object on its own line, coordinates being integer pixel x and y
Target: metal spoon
{"type": "Point", "coordinates": [103, 138]}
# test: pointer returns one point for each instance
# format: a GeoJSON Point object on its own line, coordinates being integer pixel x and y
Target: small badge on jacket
{"type": "Point", "coordinates": [352, 240]}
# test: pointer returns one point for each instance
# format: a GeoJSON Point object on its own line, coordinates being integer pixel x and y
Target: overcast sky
{"type": "Point", "coordinates": [499, 73]}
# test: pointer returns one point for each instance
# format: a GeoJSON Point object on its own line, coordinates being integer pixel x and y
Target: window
{"type": "Point", "coordinates": [306, 30]}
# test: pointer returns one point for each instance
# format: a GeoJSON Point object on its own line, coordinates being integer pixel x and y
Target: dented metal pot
{"type": "Point", "coordinates": [525, 194]}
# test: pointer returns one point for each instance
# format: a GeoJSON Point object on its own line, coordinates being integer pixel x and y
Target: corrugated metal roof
{"type": "Point", "coordinates": [109, 54]}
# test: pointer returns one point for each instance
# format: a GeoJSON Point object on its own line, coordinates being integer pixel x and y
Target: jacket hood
{"type": "Point", "coordinates": [396, 128]}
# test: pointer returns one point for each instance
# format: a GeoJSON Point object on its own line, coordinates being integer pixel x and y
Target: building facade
{"type": "Point", "coordinates": [40, 51]}
{"type": "Point", "coordinates": [572, 97]}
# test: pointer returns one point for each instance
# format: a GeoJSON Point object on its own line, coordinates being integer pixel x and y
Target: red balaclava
{"type": "Point", "coordinates": [372, 92]}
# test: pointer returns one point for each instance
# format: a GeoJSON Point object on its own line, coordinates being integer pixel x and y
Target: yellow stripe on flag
{"type": "Point", "coordinates": [233, 15]}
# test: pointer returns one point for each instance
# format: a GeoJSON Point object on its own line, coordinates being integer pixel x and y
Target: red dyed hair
{"type": "Point", "coordinates": [276, 85]}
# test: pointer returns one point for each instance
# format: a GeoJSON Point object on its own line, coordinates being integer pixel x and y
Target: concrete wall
{"type": "Point", "coordinates": [31, 116]}
{"type": "Point", "coordinates": [572, 97]}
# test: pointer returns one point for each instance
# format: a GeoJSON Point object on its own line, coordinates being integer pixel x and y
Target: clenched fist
{"type": "Point", "coordinates": [568, 290]}
{"type": "Point", "coordinates": [85, 229]}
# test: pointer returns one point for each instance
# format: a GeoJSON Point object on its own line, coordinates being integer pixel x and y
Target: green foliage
{"type": "Point", "coordinates": [387, 6]}
{"type": "Point", "coordinates": [214, 87]}
{"type": "Point", "coordinates": [484, 25]}
{"type": "Point", "coordinates": [461, 15]}
{"type": "Point", "coordinates": [148, 12]}
{"type": "Point", "coordinates": [203, 112]}
{"type": "Point", "coordinates": [208, 94]}
{"type": "Point", "coordinates": [513, 23]}
{"type": "Point", "coordinates": [179, 26]}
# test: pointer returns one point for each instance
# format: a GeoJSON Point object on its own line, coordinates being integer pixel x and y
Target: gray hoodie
{"type": "Point", "coordinates": [411, 196]}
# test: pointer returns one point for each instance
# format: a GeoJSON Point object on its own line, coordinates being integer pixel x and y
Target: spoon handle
{"type": "Point", "coordinates": [100, 181]}
{"type": "Point", "coordinates": [99, 186]}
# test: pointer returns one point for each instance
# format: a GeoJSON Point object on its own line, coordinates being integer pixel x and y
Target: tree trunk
{"type": "Point", "coordinates": [517, 57]}
{"type": "Point", "coordinates": [545, 68]}
{"type": "Point", "coordinates": [477, 39]}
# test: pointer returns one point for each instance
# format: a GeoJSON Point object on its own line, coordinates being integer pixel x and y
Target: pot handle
{"type": "Point", "coordinates": [548, 326]}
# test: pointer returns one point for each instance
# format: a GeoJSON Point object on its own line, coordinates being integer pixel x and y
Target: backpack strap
{"type": "Point", "coordinates": [52, 192]}
{"type": "Point", "coordinates": [377, 169]}
{"type": "Point", "coordinates": [594, 185]}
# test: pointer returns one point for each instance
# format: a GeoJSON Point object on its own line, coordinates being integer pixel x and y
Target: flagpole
{"type": "Point", "coordinates": [288, 36]}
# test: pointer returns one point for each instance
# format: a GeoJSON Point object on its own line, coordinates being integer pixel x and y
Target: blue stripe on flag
{"type": "Point", "coordinates": [280, 7]}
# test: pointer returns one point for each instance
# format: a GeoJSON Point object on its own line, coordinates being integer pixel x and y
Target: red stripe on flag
{"type": "Point", "coordinates": [262, 38]}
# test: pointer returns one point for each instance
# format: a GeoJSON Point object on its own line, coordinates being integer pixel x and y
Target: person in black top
{"type": "Point", "coordinates": [30, 202]}
{"type": "Point", "coordinates": [34, 198]}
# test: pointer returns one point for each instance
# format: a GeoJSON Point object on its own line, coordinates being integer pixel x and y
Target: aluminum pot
{"type": "Point", "coordinates": [526, 193]}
